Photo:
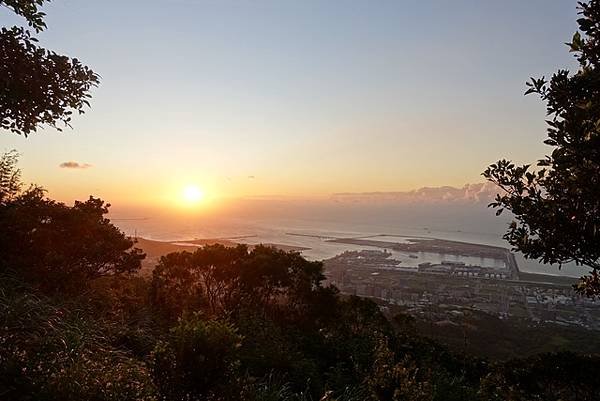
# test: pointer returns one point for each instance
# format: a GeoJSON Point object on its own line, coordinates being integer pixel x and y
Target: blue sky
{"type": "Point", "coordinates": [308, 97]}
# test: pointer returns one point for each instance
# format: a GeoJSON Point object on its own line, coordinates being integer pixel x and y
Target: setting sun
{"type": "Point", "coordinates": [192, 194]}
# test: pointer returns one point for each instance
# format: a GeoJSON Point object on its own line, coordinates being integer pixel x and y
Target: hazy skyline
{"type": "Point", "coordinates": [295, 98]}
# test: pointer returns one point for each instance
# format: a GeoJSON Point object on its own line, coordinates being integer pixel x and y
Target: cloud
{"type": "Point", "coordinates": [251, 177]}
{"type": "Point", "coordinates": [75, 165]}
{"type": "Point", "coordinates": [477, 193]}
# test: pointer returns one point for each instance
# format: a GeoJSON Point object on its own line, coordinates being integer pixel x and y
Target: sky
{"type": "Point", "coordinates": [294, 98]}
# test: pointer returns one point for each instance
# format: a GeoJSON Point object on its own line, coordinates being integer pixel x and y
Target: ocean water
{"type": "Point", "coordinates": [314, 233]}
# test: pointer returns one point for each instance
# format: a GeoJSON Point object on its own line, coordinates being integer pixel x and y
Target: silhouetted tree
{"type": "Point", "coordinates": [54, 246]}
{"type": "Point", "coordinates": [557, 203]}
{"type": "Point", "coordinates": [28, 9]}
{"type": "Point", "coordinates": [176, 286]}
{"type": "Point", "coordinates": [38, 86]}
{"type": "Point", "coordinates": [59, 247]}
{"type": "Point", "coordinates": [223, 280]}
{"type": "Point", "coordinates": [10, 176]}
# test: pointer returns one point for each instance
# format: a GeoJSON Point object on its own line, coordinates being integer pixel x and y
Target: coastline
{"type": "Point", "coordinates": [154, 249]}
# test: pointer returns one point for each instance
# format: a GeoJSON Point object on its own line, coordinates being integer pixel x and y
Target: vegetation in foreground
{"type": "Point", "coordinates": [556, 203]}
{"type": "Point", "coordinates": [221, 323]}
{"type": "Point", "coordinates": [77, 323]}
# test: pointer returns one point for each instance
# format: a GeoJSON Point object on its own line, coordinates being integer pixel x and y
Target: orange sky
{"type": "Point", "coordinates": [295, 99]}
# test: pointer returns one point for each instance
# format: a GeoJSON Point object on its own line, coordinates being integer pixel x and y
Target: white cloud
{"type": "Point", "coordinates": [74, 165]}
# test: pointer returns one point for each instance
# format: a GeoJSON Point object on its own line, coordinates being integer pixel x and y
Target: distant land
{"type": "Point", "coordinates": [478, 192]}
{"type": "Point", "coordinates": [404, 252]}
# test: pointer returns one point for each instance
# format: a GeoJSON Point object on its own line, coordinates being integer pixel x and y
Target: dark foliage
{"type": "Point", "coordinates": [37, 86]}
{"type": "Point", "coordinates": [551, 377]}
{"type": "Point", "coordinates": [58, 247]}
{"type": "Point", "coordinates": [28, 9]}
{"type": "Point", "coordinates": [198, 361]}
{"type": "Point", "coordinates": [53, 351]}
{"type": "Point", "coordinates": [217, 324]}
{"type": "Point", "coordinates": [557, 203]}
{"type": "Point", "coordinates": [222, 280]}
{"type": "Point", "coordinates": [10, 177]}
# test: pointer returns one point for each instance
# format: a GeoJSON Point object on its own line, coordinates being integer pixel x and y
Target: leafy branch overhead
{"type": "Point", "coordinates": [38, 87]}
{"type": "Point", "coordinates": [30, 10]}
{"type": "Point", "coordinates": [556, 203]}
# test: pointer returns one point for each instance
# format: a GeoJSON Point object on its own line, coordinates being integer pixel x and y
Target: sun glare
{"type": "Point", "coordinates": [192, 194]}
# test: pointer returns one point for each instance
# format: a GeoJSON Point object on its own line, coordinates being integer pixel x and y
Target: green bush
{"type": "Point", "coordinates": [52, 352]}
{"type": "Point", "coordinates": [198, 360]}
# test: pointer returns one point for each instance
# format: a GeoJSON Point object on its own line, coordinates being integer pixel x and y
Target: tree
{"type": "Point", "coordinates": [37, 86]}
{"type": "Point", "coordinates": [224, 280]}
{"type": "Point", "coordinates": [10, 176]}
{"type": "Point", "coordinates": [176, 286]}
{"type": "Point", "coordinates": [54, 246]}
{"type": "Point", "coordinates": [556, 204]}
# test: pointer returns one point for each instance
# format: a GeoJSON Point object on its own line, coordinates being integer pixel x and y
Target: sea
{"type": "Point", "coordinates": [301, 228]}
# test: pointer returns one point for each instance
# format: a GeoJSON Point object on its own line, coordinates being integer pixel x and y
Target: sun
{"type": "Point", "coordinates": [192, 194]}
